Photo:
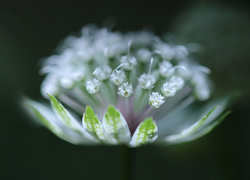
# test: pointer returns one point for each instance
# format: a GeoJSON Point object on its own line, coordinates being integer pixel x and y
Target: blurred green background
{"type": "Point", "coordinates": [31, 30]}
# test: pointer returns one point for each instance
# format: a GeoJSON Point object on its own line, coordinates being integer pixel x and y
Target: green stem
{"type": "Point", "coordinates": [127, 160]}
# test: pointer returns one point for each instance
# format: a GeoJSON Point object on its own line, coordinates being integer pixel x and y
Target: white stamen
{"type": "Point", "coordinates": [150, 65]}
{"type": "Point", "coordinates": [129, 46]}
{"type": "Point", "coordinates": [118, 67]}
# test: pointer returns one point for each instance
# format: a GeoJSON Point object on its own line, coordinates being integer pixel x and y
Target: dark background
{"type": "Point", "coordinates": [31, 30]}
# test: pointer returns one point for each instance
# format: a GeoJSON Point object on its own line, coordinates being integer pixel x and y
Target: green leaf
{"type": "Point", "coordinates": [92, 124]}
{"type": "Point", "coordinates": [191, 129]}
{"type": "Point", "coordinates": [116, 126]}
{"type": "Point", "coordinates": [145, 133]}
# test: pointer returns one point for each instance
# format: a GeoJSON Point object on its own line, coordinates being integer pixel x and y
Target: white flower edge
{"type": "Point", "coordinates": [47, 118]}
{"type": "Point", "coordinates": [196, 131]}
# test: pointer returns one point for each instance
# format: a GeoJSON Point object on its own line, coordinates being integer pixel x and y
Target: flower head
{"type": "Point", "coordinates": [124, 93]}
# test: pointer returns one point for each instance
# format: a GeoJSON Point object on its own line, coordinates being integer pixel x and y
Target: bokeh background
{"type": "Point", "coordinates": [31, 30]}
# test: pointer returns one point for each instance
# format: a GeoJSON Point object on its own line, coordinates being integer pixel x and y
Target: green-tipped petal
{"type": "Point", "coordinates": [190, 130]}
{"type": "Point", "coordinates": [145, 133]}
{"type": "Point", "coordinates": [92, 124]}
{"type": "Point", "coordinates": [67, 118]}
{"type": "Point", "coordinates": [47, 118]}
{"type": "Point", "coordinates": [116, 126]}
{"type": "Point", "coordinates": [63, 114]}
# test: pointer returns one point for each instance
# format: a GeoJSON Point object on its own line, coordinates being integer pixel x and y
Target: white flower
{"type": "Point", "coordinates": [93, 86]}
{"type": "Point", "coordinates": [176, 82]}
{"type": "Point", "coordinates": [165, 69]}
{"type": "Point", "coordinates": [102, 73]}
{"type": "Point", "coordinates": [118, 77]}
{"type": "Point", "coordinates": [125, 90]}
{"type": "Point", "coordinates": [147, 81]}
{"type": "Point", "coordinates": [99, 78]}
{"type": "Point", "coordinates": [168, 90]}
{"type": "Point", "coordinates": [156, 100]}
{"type": "Point", "coordinates": [128, 62]}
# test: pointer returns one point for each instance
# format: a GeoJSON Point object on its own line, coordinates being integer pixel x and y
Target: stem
{"type": "Point", "coordinates": [127, 160]}
{"type": "Point", "coordinates": [129, 76]}
{"type": "Point", "coordinates": [141, 99]}
{"type": "Point", "coordinates": [127, 107]}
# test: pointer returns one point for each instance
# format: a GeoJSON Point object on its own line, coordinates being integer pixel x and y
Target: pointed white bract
{"type": "Point", "coordinates": [131, 89]}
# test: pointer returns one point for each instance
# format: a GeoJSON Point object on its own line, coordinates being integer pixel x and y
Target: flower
{"type": "Point", "coordinates": [131, 89]}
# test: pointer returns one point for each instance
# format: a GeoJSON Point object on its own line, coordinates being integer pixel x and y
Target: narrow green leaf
{"type": "Point", "coordinates": [191, 129]}
{"type": "Point", "coordinates": [92, 124]}
{"type": "Point", "coordinates": [145, 133]}
{"type": "Point", "coordinates": [116, 126]}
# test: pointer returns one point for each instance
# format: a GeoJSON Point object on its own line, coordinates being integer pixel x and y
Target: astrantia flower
{"type": "Point", "coordinates": [129, 89]}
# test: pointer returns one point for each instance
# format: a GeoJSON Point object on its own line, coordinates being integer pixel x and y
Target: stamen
{"type": "Point", "coordinates": [150, 65]}
{"type": "Point", "coordinates": [118, 67]}
{"type": "Point", "coordinates": [129, 46]}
